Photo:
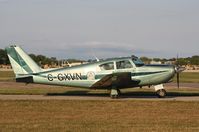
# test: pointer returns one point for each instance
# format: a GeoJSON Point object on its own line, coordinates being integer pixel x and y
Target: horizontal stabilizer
{"type": "Point", "coordinates": [28, 79]}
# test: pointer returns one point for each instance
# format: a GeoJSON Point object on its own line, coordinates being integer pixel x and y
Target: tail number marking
{"type": "Point", "coordinates": [65, 76]}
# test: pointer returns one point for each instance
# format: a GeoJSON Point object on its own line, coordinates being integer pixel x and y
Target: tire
{"type": "Point", "coordinates": [161, 93]}
{"type": "Point", "coordinates": [114, 96]}
{"type": "Point", "coordinates": [118, 91]}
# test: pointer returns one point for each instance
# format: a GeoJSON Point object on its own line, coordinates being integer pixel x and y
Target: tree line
{"type": "Point", "coordinates": [3, 57]}
{"type": "Point", "coordinates": [194, 60]}
{"type": "Point", "coordinates": [43, 60]}
{"type": "Point", "coordinates": [39, 59]}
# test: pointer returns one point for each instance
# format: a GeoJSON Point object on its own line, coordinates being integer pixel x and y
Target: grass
{"type": "Point", "coordinates": [77, 115]}
{"type": "Point", "coordinates": [7, 76]}
{"type": "Point", "coordinates": [189, 77]}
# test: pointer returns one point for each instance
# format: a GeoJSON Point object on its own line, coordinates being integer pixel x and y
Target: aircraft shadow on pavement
{"type": "Point", "coordinates": [78, 93]}
{"type": "Point", "coordinates": [134, 94]}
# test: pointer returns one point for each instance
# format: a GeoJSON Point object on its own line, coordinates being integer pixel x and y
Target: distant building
{"type": "Point", "coordinates": [5, 67]}
{"type": "Point", "coordinates": [155, 62]}
{"type": "Point", "coordinates": [67, 64]}
{"type": "Point", "coordinates": [169, 62]}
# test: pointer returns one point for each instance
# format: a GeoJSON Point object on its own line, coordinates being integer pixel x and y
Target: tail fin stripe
{"type": "Point", "coordinates": [24, 65]}
{"type": "Point", "coordinates": [18, 59]}
{"type": "Point", "coordinates": [21, 62]}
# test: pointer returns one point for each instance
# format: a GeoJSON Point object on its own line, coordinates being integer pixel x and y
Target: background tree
{"type": "Point", "coordinates": [43, 60]}
{"type": "Point", "coordinates": [194, 60]}
{"type": "Point", "coordinates": [3, 57]}
{"type": "Point", "coordinates": [146, 60]}
{"type": "Point", "coordinates": [156, 59]}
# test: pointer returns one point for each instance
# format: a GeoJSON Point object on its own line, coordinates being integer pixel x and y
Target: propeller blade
{"type": "Point", "coordinates": [178, 80]}
{"type": "Point", "coordinates": [178, 71]}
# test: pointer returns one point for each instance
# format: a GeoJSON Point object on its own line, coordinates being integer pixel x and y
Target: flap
{"type": "Point", "coordinates": [121, 79]}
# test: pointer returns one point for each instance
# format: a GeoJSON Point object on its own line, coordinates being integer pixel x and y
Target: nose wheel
{"type": "Point", "coordinates": [161, 93]}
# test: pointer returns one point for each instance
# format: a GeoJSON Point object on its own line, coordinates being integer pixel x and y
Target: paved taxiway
{"type": "Point", "coordinates": [86, 97]}
{"type": "Point", "coordinates": [187, 85]}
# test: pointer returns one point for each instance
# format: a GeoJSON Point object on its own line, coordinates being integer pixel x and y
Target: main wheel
{"type": "Point", "coordinates": [161, 93]}
{"type": "Point", "coordinates": [114, 96]}
{"type": "Point", "coordinates": [118, 91]}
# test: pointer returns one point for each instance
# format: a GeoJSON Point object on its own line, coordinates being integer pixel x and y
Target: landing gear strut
{"type": "Point", "coordinates": [115, 93]}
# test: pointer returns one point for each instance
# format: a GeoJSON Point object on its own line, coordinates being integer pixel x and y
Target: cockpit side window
{"type": "Point", "coordinates": [107, 66]}
{"type": "Point", "coordinates": [124, 64]}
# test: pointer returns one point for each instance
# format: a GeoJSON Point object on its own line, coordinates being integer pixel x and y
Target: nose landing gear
{"type": "Point", "coordinates": [161, 92]}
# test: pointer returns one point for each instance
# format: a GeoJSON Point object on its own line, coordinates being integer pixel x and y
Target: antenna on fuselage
{"type": "Point", "coordinates": [96, 58]}
{"type": "Point", "coordinates": [68, 63]}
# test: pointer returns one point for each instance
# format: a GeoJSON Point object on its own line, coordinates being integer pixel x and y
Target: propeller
{"type": "Point", "coordinates": [178, 70]}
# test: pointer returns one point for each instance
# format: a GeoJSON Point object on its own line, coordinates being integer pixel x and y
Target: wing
{"type": "Point", "coordinates": [119, 80]}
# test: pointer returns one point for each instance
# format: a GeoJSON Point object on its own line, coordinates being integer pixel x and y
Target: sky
{"type": "Point", "coordinates": [83, 29]}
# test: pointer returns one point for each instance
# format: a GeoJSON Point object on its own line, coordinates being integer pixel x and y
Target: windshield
{"type": "Point", "coordinates": [137, 61]}
{"type": "Point", "coordinates": [124, 64]}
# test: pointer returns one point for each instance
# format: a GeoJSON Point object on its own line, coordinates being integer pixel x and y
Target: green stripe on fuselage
{"type": "Point", "coordinates": [145, 73]}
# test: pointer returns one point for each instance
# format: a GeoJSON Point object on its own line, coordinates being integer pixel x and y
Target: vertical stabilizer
{"type": "Point", "coordinates": [21, 62]}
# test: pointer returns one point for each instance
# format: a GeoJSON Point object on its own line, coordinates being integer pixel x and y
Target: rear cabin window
{"type": "Point", "coordinates": [107, 66]}
{"type": "Point", "coordinates": [123, 64]}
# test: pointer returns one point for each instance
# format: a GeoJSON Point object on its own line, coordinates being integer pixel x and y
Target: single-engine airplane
{"type": "Point", "coordinates": [112, 74]}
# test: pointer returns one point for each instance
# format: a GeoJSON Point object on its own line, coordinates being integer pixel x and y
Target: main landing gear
{"type": "Point", "coordinates": [115, 93]}
{"type": "Point", "coordinates": [161, 92]}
